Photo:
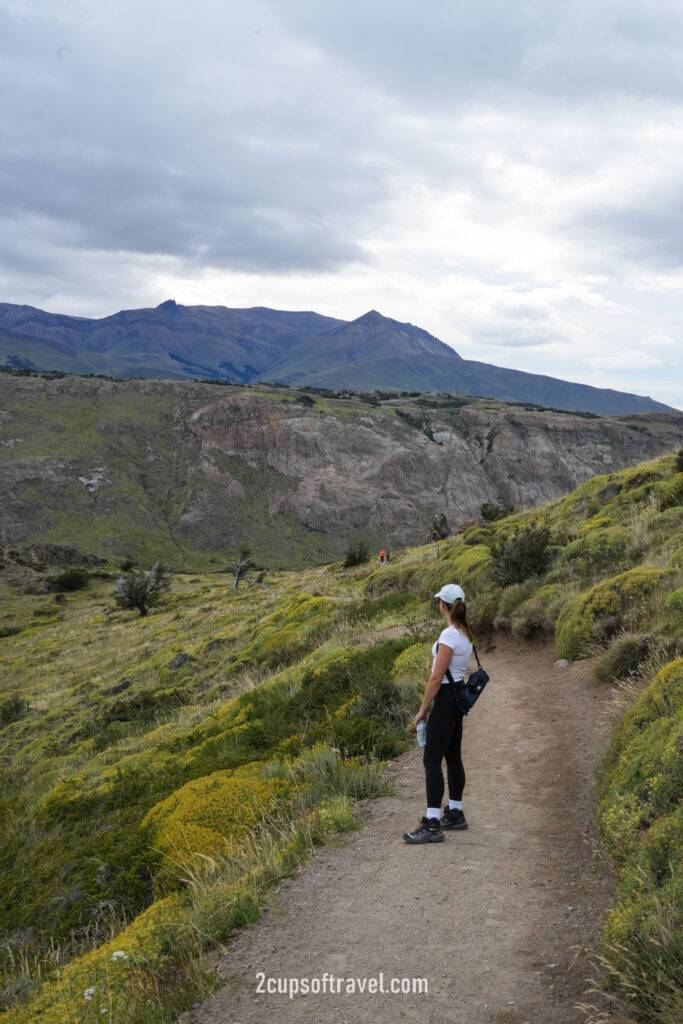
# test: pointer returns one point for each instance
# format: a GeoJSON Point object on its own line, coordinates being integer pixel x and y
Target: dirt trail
{"type": "Point", "coordinates": [499, 919]}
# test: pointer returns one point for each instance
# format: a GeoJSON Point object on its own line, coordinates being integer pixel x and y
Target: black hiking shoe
{"type": "Point", "coordinates": [428, 831]}
{"type": "Point", "coordinates": [453, 819]}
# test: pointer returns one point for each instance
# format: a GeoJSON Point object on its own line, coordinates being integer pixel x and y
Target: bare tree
{"type": "Point", "coordinates": [241, 564]}
{"type": "Point", "coordinates": [141, 590]}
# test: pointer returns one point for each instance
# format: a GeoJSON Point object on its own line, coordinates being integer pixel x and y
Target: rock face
{"type": "Point", "coordinates": [187, 471]}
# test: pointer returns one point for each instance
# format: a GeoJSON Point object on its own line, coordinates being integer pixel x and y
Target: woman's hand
{"type": "Point", "coordinates": [419, 716]}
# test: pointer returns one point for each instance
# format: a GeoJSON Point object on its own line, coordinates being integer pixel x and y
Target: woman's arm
{"type": "Point", "coordinates": [443, 660]}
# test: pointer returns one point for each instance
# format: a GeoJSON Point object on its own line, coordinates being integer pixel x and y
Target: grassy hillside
{"type": "Point", "coordinates": [159, 773]}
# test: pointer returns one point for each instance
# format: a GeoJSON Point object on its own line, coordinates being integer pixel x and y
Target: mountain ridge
{"type": "Point", "coordinates": [241, 345]}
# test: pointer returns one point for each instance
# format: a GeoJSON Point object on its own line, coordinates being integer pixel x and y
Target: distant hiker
{"type": "Point", "coordinates": [381, 557]}
{"type": "Point", "coordinates": [444, 724]}
{"type": "Point", "coordinates": [386, 557]}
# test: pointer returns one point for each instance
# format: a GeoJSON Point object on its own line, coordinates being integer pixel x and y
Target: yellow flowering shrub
{"type": "Point", "coordinates": [625, 595]}
{"type": "Point", "coordinates": [676, 559]}
{"type": "Point", "coordinates": [106, 978]}
{"type": "Point", "coordinates": [673, 609]}
{"type": "Point", "coordinates": [598, 522]}
{"type": "Point", "coordinates": [469, 563]}
{"type": "Point", "coordinates": [643, 936]}
{"type": "Point", "coordinates": [288, 632]}
{"type": "Point", "coordinates": [663, 698]}
{"type": "Point", "coordinates": [414, 663]}
{"type": "Point", "coordinates": [332, 816]}
{"type": "Point", "coordinates": [207, 814]}
{"type": "Point", "coordinates": [646, 784]}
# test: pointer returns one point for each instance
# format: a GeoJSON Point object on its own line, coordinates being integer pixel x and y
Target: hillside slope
{"type": "Point", "coordinates": [141, 756]}
{"type": "Point", "coordinates": [187, 471]}
{"type": "Point", "coordinates": [242, 345]}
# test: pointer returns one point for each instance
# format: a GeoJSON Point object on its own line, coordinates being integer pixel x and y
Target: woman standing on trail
{"type": "Point", "coordinates": [444, 724]}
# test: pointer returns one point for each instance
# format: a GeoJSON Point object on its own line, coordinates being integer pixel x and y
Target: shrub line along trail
{"type": "Point", "coordinates": [501, 919]}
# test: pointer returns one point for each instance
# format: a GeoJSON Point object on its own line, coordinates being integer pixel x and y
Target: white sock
{"type": "Point", "coordinates": [433, 812]}
{"type": "Point", "coordinates": [455, 805]}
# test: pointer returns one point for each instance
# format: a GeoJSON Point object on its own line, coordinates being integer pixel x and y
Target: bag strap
{"type": "Point", "coordinates": [449, 674]}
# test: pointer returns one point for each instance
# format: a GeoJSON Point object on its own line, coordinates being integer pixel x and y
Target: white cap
{"type": "Point", "coordinates": [450, 593]}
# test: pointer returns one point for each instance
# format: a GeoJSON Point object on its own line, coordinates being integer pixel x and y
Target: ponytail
{"type": "Point", "coordinates": [457, 616]}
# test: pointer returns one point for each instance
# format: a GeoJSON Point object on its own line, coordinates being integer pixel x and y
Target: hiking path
{"type": "Point", "coordinates": [501, 920]}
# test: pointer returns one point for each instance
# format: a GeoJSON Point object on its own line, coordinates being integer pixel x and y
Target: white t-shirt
{"type": "Point", "coordinates": [461, 647]}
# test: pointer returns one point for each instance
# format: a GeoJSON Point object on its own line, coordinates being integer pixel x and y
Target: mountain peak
{"type": "Point", "coordinates": [170, 305]}
{"type": "Point", "coordinates": [369, 318]}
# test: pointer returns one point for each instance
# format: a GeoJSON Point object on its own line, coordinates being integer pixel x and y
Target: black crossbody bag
{"type": "Point", "coordinates": [467, 693]}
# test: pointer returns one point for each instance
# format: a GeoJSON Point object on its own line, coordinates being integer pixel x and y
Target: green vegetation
{"type": "Point", "coordinates": [522, 553]}
{"type": "Point", "coordinates": [142, 590]}
{"type": "Point", "coordinates": [139, 749]}
{"type": "Point", "coordinates": [159, 773]}
{"type": "Point", "coordinates": [357, 553]}
{"type": "Point", "coordinates": [74, 578]}
{"type": "Point", "coordinates": [491, 513]}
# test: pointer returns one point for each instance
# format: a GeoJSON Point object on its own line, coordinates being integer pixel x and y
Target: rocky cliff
{"type": "Point", "coordinates": [185, 471]}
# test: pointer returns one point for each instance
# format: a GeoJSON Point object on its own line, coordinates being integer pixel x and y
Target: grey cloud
{"type": "Point", "coordinates": [447, 53]}
{"type": "Point", "coordinates": [163, 148]}
{"type": "Point", "coordinates": [648, 233]}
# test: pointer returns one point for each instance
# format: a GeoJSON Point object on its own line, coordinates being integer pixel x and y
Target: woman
{"type": "Point", "coordinates": [444, 724]}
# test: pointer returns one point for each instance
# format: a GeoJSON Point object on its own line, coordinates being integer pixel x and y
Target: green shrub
{"type": "Point", "coordinates": [327, 774]}
{"type": "Point", "coordinates": [357, 553]}
{"type": "Point", "coordinates": [646, 784]}
{"type": "Point", "coordinates": [522, 554]}
{"type": "Point", "coordinates": [74, 578]}
{"type": "Point", "coordinates": [639, 476]}
{"type": "Point", "coordinates": [537, 616]}
{"type": "Point", "coordinates": [666, 523]}
{"type": "Point", "coordinates": [491, 513]}
{"type": "Point", "coordinates": [624, 655]}
{"type": "Point", "coordinates": [673, 613]}
{"type": "Point", "coordinates": [516, 594]}
{"type": "Point", "coordinates": [643, 936]}
{"type": "Point", "coordinates": [476, 535]}
{"type": "Point", "coordinates": [12, 709]}
{"type": "Point", "coordinates": [598, 551]}
{"type": "Point", "coordinates": [662, 699]}
{"type": "Point", "coordinates": [373, 609]}
{"type": "Point", "coordinates": [613, 604]}
{"type": "Point", "coordinates": [678, 463]}
{"type": "Point", "coordinates": [669, 493]}
{"type": "Point", "coordinates": [389, 700]}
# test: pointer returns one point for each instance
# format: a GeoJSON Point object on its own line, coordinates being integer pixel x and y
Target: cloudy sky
{"type": "Point", "coordinates": [507, 174]}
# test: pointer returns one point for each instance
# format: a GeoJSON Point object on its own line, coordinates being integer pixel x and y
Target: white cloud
{"type": "Point", "coordinates": [629, 359]}
{"type": "Point", "coordinates": [504, 175]}
{"type": "Point", "coordinates": [660, 341]}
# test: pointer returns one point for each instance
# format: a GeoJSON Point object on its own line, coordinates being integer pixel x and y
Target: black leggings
{"type": "Point", "coordinates": [444, 739]}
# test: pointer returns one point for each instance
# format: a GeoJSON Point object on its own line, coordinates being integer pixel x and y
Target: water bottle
{"type": "Point", "coordinates": [421, 738]}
